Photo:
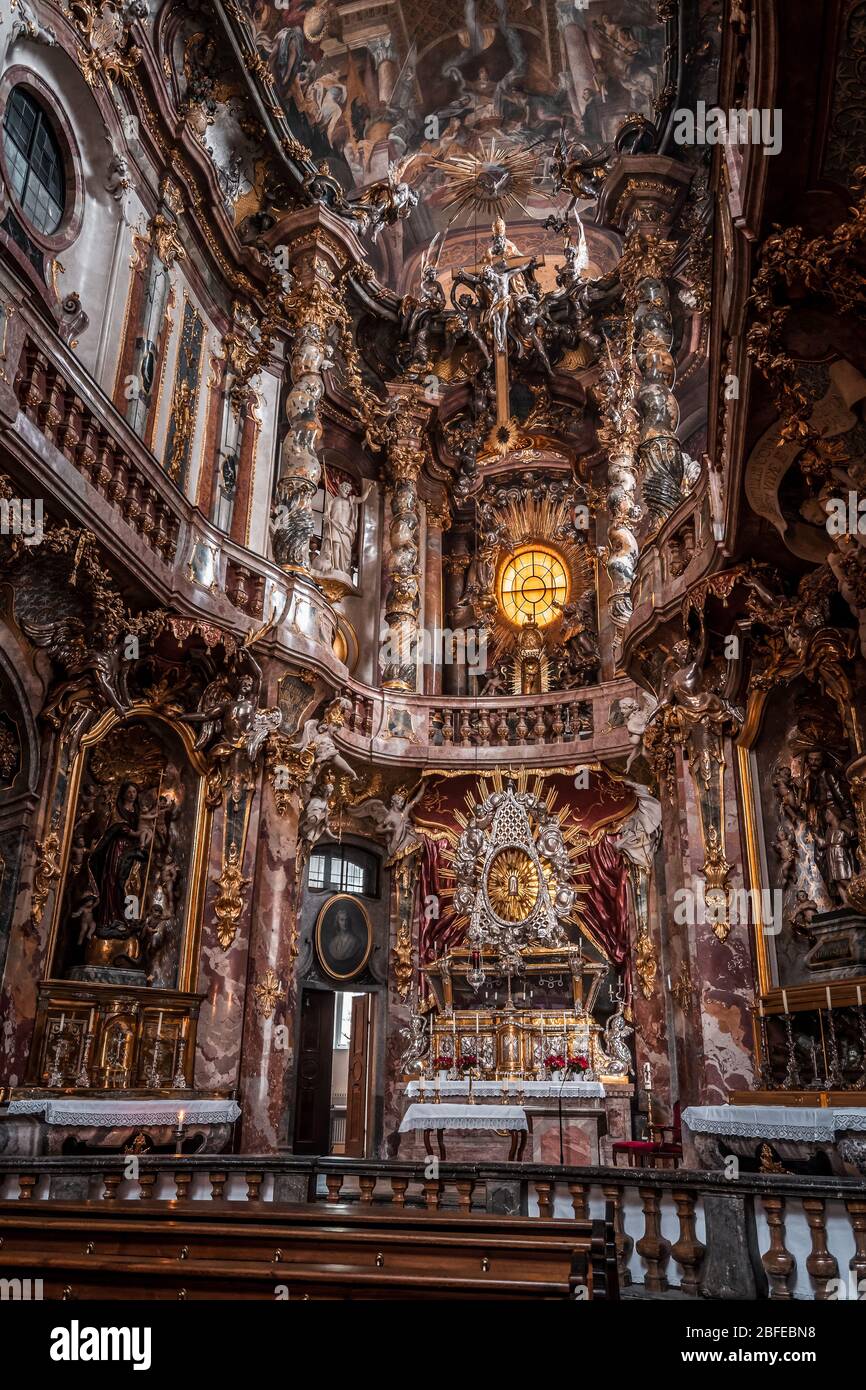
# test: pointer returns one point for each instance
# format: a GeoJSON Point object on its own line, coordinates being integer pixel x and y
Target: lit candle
{"type": "Point", "coordinates": [180, 1115]}
{"type": "Point", "coordinates": [785, 1000]}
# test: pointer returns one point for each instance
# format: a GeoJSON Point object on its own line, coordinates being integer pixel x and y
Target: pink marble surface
{"type": "Point", "coordinates": [268, 1051]}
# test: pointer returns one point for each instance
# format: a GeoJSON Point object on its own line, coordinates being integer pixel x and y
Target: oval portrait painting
{"type": "Point", "coordinates": [344, 937]}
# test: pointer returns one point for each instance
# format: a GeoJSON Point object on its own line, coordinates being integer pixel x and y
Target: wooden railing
{"type": "Point", "coordinates": [674, 1228]}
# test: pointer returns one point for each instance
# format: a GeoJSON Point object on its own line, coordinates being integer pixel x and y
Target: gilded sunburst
{"type": "Point", "coordinates": [512, 885]}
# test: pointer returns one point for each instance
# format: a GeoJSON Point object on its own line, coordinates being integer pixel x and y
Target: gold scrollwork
{"type": "Point", "coordinates": [229, 902]}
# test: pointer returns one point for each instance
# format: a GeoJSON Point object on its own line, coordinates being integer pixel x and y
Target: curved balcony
{"type": "Point", "coordinates": [79, 452]}
{"type": "Point", "coordinates": [567, 727]}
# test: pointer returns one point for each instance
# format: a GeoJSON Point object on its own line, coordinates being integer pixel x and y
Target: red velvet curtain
{"type": "Point", "coordinates": [605, 906]}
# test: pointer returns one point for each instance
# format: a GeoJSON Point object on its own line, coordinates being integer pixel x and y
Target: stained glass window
{"type": "Point", "coordinates": [532, 583]}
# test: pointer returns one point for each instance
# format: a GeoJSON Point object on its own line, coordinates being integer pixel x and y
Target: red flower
{"type": "Point", "coordinates": [579, 1063]}
{"type": "Point", "coordinates": [555, 1062]}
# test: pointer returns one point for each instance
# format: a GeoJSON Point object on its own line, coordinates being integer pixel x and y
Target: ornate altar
{"type": "Point", "coordinates": [544, 1011]}
{"type": "Point", "coordinates": [515, 1003]}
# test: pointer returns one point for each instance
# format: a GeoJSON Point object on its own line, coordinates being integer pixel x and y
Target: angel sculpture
{"type": "Point", "coordinates": [393, 820]}
{"type": "Point", "coordinates": [577, 171]}
{"type": "Point", "coordinates": [93, 678]}
{"type": "Point", "coordinates": [314, 822]}
{"type": "Point", "coordinates": [418, 1044]}
{"type": "Point", "coordinates": [317, 737]}
{"type": "Point", "coordinates": [635, 717]}
{"type": "Point", "coordinates": [389, 200]}
{"type": "Point", "coordinates": [581, 172]}
{"type": "Point", "coordinates": [233, 728]}
{"type": "Point", "coordinates": [421, 314]}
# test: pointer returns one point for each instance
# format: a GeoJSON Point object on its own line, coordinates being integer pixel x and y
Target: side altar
{"type": "Point", "coordinates": [514, 1015]}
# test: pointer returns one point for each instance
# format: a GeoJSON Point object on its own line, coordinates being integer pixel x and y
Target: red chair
{"type": "Point", "coordinates": [654, 1153]}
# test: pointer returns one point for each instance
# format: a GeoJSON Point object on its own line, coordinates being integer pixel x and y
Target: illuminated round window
{"type": "Point", "coordinates": [533, 582]}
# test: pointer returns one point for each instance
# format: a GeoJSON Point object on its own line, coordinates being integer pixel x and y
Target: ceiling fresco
{"type": "Point", "coordinates": [459, 84]}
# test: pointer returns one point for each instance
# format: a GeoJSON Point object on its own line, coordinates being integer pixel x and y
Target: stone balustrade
{"type": "Point", "coordinates": [565, 726]}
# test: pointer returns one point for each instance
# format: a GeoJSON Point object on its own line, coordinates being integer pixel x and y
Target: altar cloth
{"type": "Point", "coordinates": [530, 1090]}
{"type": "Point", "coordinates": [108, 1114]}
{"type": "Point", "coordinates": [815, 1125]}
{"type": "Point", "coordinates": [464, 1117]}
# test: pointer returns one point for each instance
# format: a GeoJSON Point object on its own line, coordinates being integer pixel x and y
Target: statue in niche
{"type": "Point", "coordinates": [339, 529]}
{"type": "Point", "coordinates": [798, 847]}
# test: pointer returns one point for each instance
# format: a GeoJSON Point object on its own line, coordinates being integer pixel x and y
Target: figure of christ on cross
{"type": "Point", "coordinates": [503, 276]}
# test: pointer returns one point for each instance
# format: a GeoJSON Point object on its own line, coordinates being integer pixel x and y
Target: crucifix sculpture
{"type": "Point", "coordinates": [502, 277]}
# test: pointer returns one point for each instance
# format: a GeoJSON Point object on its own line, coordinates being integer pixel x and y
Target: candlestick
{"type": "Point", "coordinates": [792, 1071]}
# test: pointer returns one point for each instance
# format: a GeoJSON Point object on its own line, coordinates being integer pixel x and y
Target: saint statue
{"type": "Point", "coordinates": [339, 528]}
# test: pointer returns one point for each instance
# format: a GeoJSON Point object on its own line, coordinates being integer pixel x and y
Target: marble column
{"type": "Point", "coordinates": [438, 520]}
{"type": "Point", "coordinates": [405, 455]}
{"type": "Point", "coordinates": [454, 678]}
{"type": "Point", "coordinates": [223, 970]}
{"type": "Point", "coordinates": [267, 1053]}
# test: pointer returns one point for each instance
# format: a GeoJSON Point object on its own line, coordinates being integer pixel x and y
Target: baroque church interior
{"type": "Point", "coordinates": [432, 635]}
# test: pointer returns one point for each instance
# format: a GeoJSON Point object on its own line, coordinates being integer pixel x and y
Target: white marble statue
{"type": "Point", "coordinates": [339, 528]}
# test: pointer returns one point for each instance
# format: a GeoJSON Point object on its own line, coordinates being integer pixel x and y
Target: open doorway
{"type": "Point", "coordinates": [334, 1090]}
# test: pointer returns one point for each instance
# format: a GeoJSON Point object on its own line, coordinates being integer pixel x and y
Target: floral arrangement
{"type": "Point", "coordinates": [468, 1060]}
{"type": "Point", "coordinates": [555, 1062]}
{"type": "Point", "coordinates": [442, 1063]}
{"type": "Point", "coordinates": [578, 1063]}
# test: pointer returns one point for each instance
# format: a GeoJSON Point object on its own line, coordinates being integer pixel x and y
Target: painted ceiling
{"type": "Point", "coordinates": [473, 80]}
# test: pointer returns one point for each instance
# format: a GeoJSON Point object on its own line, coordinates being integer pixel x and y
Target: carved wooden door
{"type": "Point", "coordinates": [356, 1089]}
{"type": "Point", "coordinates": [315, 1056]}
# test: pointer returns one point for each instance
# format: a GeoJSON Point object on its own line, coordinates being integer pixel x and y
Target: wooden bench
{"type": "Point", "coordinates": [224, 1250]}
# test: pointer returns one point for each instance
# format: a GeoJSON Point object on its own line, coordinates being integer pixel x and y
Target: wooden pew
{"type": "Point", "coordinates": [224, 1250]}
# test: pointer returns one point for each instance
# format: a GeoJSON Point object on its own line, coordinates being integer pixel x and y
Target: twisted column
{"type": "Point", "coordinates": [404, 456]}
{"type": "Point", "coordinates": [660, 455]}
{"type": "Point", "coordinates": [300, 467]}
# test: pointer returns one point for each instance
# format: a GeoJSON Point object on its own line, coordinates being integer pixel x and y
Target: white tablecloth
{"type": "Point", "coordinates": [106, 1114]}
{"type": "Point", "coordinates": [463, 1117]}
{"type": "Point", "coordinates": [813, 1124]}
{"type": "Point", "coordinates": [531, 1090]}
